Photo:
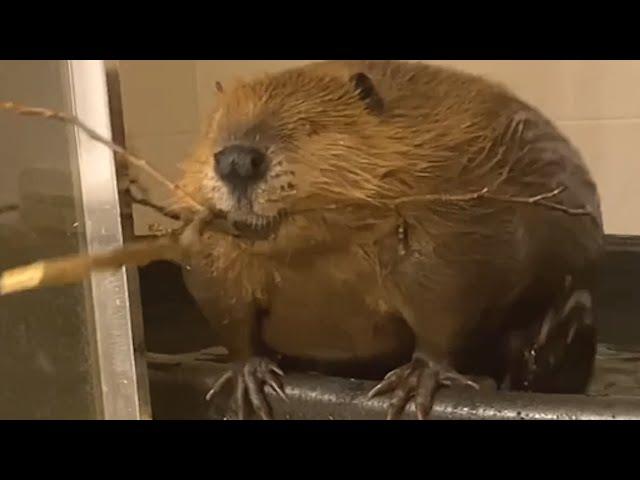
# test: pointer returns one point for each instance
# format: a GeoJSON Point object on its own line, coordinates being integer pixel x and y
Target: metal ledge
{"type": "Point", "coordinates": [180, 383]}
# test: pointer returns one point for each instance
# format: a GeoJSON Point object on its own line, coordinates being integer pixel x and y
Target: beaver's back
{"type": "Point", "coordinates": [439, 112]}
{"type": "Point", "coordinates": [401, 84]}
{"type": "Point", "coordinates": [461, 132]}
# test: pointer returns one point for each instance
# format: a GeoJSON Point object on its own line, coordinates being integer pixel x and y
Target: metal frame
{"type": "Point", "coordinates": [122, 371]}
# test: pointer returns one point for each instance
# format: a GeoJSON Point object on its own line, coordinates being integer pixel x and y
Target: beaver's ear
{"type": "Point", "coordinates": [367, 92]}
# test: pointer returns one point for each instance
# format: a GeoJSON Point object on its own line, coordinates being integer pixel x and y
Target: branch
{"type": "Point", "coordinates": [141, 200]}
{"type": "Point", "coordinates": [540, 199]}
{"type": "Point", "coordinates": [128, 157]}
{"type": "Point", "coordinates": [74, 268]}
{"type": "Point", "coordinates": [443, 197]}
{"type": "Point", "coordinates": [176, 246]}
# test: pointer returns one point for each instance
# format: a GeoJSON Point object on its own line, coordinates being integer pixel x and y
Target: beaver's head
{"type": "Point", "coordinates": [289, 143]}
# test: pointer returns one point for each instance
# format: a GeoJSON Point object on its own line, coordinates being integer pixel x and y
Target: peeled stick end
{"type": "Point", "coordinates": [22, 278]}
{"type": "Point", "coordinates": [61, 271]}
{"type": "Point", "coordinates": [75, 268]}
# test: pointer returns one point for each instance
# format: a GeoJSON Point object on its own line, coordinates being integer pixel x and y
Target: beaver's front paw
{"type": "Point", "coordinates": [418, 380]}
{"type": "Point", "coordinates": [251, 378]}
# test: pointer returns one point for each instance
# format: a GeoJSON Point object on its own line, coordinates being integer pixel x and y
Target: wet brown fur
{"type": "Point", "coordinates": [347, 176]}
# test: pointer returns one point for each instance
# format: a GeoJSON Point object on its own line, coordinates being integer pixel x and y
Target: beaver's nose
{"type": "Point", "coordinates": [240, 166]}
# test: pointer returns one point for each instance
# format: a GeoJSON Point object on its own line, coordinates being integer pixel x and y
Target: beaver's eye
{"type": "Point", "coordinates": [367, 92]}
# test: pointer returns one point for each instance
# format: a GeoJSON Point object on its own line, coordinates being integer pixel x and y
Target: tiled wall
{"type": "Point", "coordinates": [596, 103]}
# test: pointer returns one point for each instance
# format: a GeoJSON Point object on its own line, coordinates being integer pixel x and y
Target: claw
{"type": "Point", "coordinates": [251, 378]}
{"type": "Point", "coordinates": [218, 385]}
{"type": "Point", "coordinates": [396, 374]}
{"type": "Point", "coordinates": [276, 369]}
{"type": "Point", "coordinates": [381, 389]}
{"type": "Point", "coordinates": [425, 393]}
{"type": "Point", "coordinates": [239, 400]}
{"type": "Point", "coordinates": [258, 401]}
{"type": "Point", "coordinates": [390, 382]}
{"type": "Point", "coordinates": [419, 380]}
{"type": "Point", "coordinates": [401, 398]}
{"type": "Point", "coordinates": [451, 377]}
{"type": "Point", "coordinates": [276, 385]}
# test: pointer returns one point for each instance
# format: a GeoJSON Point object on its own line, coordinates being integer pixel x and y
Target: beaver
{"type": "Point", "coordinates": [396, 218]}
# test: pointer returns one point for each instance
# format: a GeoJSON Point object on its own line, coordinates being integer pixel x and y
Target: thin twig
{"type": "Point", "coordinates": [567, 210]}
{"type": "Point", "coordinates": [540, 200]}
{"type": "Point", "coordinates": [73, 120]}
{"type": "Point", "coordinates": [156, 208]}
{"type": "Point", "coordinates": [140, 200]}
{"type": "Point", "coordinates": [437, 197]}
{"type": "Point", "coordinates": [534, 199]}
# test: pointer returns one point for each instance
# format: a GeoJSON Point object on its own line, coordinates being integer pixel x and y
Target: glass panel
{"type": "Point", "coordinates": [47, 353]}
{"type": "Point", "coordinates": [65, 353]}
